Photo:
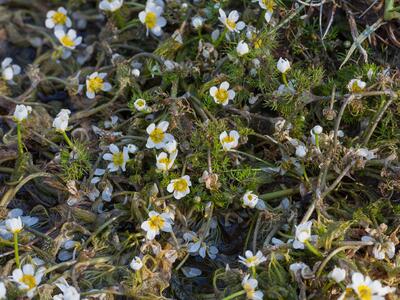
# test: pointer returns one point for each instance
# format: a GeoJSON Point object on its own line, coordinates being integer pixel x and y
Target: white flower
{"type": "Point", "coordinates": [140, 105]}
{"type": "Point", "coordinates": [21, 112]}
{"type": "Point", "coordinates": [303, 234]}
{"type": "Point", "coordinates": [381, 249]}
{"type": "Point", "coordinates": [230, 21]}
{"type": "Point", "coordinates": [365, 153]}
{"type": "Point", "coordinates": [356, 85]}
{"type": "Point", "coordinates": [180, 187]}
{"type": "Point", "coordinates": [197, 22]}
{"type": "Point", "coordinates": [111, 5]}
{"type": "Point", "coordinates": [136, 263]}
{"type": "Point", "coordinates": [337, 274]}
{"type": "Point", "coordinates": [301, 151]}
{"type": "Point", "coordinates": [317, 129]}
{"type": "Point", "coordinates": [366, 289]}
{"type": "Point", "coordinates": [14, 225]}
{"type": "Point", "coordinates": [252, 260]}
{"type": "Point", "coordinates": [230, 140]}
{"type": "Point", "coordinates": [68, 39]}
{"type": "Point", "coordinates": [155, 223]}
{"type": "Point", "coordinates": [250, 285]}
{"type": "Point", "coordinates": [250, 199]}
{"type": "Point", "coordinates": [242, 48]}
{"type": "Point", "coordinates": [171, 146]}
{"type": "Point", "coordinates": [8, 71]}
{"type": "Point", "coordinates": [3, 290]}
{"type": "Point", "coordinates": [268, 5]}
{"type": "Point", "coordinates": [223, 94]}
{"type": "Point", "coordinates": [283, 65]}
{"type": "Point", "coordinates": [152, 19]}
{"type": "Point", "coordinates": [27, 278]}
{"type": "Point", "coordinates": [60, 123]}
{"type": "Point", "coordinates": [132, 148]}
{"type": "Point", "coordinates": [58, 19]}
{"type": "Point", "coordinates": [157, 135]}
{"type": "Point", "coordinates": [136, 72]}
{"type": "Point", "coordinates": [117, 158]}
{"type": "Point", "coordinates": [164, 163]}
{"type": "Point", "coordinates": [95, 83]}
{"type": "Point", "coordinates": [68, 292]}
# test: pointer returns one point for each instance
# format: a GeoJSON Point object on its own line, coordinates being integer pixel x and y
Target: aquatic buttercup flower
{"type": "Point", "coordinates": [110, 5]}
{"type": "Point", "coordinates": [95, 83]}
{"type": "Point", "coordinates": [222, 94]}
{"type": "Point", "coordinates": [252, 260]}
{"type": "Point", "coordinates": [117, 158]}
{"type": "Point", "coordinates": [250, 199]}
{"type": "Point", "coordinates": [28, 279]}
{"type": "Point", "coordinates": [60, 123]}
{"type": "Point", "coordinates": [8, 70]}
{"type": "Point", "coordinates": [157, 135]}
{"type": "Point", "coordinates": [180, 187]}
{"type": "Point", "coordinates": [231, 21]}
{"type": "Point", "coordinates": [58, 19]}
{"type": "Point", "coordinates": [21, 112]}
{"type": "Point", "coordinates": [229, 141]}
{"type": "Point", "coordinates": [152, 19]}
{"type": "Point", "coordinates": [156, 223]}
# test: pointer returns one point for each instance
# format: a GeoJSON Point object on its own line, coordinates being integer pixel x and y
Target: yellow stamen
{"type": "Point", "coordinates": [59, 18]}
{"type": "Point", "coordinates": [230, 24]}
{"type": "Point", "coordinates": [156, 222]}
{"type": "Point", "coordinates": [221, 95]}
{"type": "Point", "coordinates": [118, 159]}
{"type": "Point", "coordinates": [67, 41]}
{"type": "Point", "coordinates": [228, 139]}
{"type": "Point", "coordinates": [365, 292]}
{"type": "Point", "coordinates": [29, 280]}
{"type": "Point", "coordinates": [95, 84]}
{"type": "Point", "coordinates": [180, 185]}
{"type": "Point", "coordinates": [150, 20]}
{"type": "Point", "coordinates": [157, 135]}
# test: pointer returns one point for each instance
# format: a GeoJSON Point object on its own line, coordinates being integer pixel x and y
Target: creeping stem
{"type": "Point", "coordinates": [19, 138]}
{"type": "Point", "coordinates": [16, 249]}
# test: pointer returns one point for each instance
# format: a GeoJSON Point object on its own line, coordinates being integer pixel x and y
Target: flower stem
{"type": "Point", "coordinates": [313, 249]}
{"type": "Point", "coordinates": [285, 79]}
{"type": "Point", "coordinates": [66, 138]}
{"type": "Point", "coordinates": [234, 295]}
{"type": "Point", "coordinates": [304, 171]}
{"type": "Point", "coordinates": [16, 249]}
{"type": "Point", "coordinates": [316, 140]}
{"type": "Point", "coordinates": [253, 271]}
{"type": "Point", "coordinates": [19, 139]}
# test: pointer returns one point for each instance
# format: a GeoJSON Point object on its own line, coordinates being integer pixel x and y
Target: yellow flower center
{"type": "Point", "coordinates": [140, 103]}
{"type": "Point", "coordinates": [251, 259]}
{"type": "Point", "coordinates": [59, 18]}
{"type": "Point", "coordinates": [221, 95]}
{"type": "Point", "coordinates": [365, 292]}
{"type": "Point", "coordinates": [269, 4]}
{"type": "Point", "coordinates": [164, 160]}
{"type": "Point", "coordinates": [156, 222]}
{"type": "Point", "coordinates": [29, 280]}
{"type": "Point", "coordinates": [180, 185]}
{"type": "Point", "coordinates": [250, 197]}
{"type": "Point", "coordinates": [118, 159]}
{"type": "Point", "coordinates": [355, 87]}
{"type": "Point", "coordinates": [150, 20]}
{"type": "Point", "coordinates": [67, 41]}
{"type": "Point", "coordinates": [157, 135]}
{"type": "Point", "coordinates": [230, 24]}
{"type": "Point", "coordinates": [228, 139]}
{"type": "Point", "coordinates": [249, 290]}
{"type": "Point", "coordinates": [95, 84]}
